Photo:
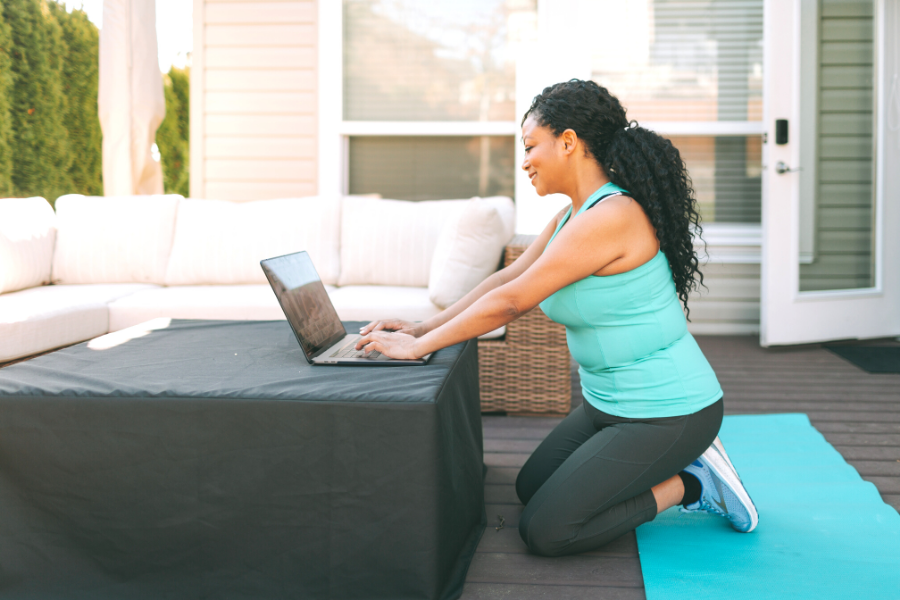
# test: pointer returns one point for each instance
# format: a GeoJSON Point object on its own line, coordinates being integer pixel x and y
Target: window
{"type": "Point", "coordinates": [692, 71]}
{"type": "Point", "coordinates": [428, 96]}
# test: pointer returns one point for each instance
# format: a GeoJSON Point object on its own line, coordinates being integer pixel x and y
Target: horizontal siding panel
{"type": "Point", "coordinates": [855, 241]}
{"type": "Point", "coordinates": [260, 35]}
{"type": "Point", "coordinates": [723, 288]}
{"type": "Point", "coordinates": [248, 192]}
{"type": "Point", "coordinates": [260, 12]}
{"type": "Point", "coordinates": [260, 147]}
{"type": "Point", "coordinates": [848, 53]}
{"type": "Point", "coordinates": [846, 147]}
{"type": "Point", "coordinates": [846, 124]}
{"type": "Point", "coordinates": [260, 170]}
{"type": "Point", "coordinates": [845, 218]}
{"type": "Point", "coordinates": [818, 284]}
{"type": "Point", "coordinates": [712, 328]}
{"type": "Point", "coordinates": [286, 80]}
{"type": "Point", "coordinates": [724, 311]}
{"type": "Point", "coordinates": [256, 125]}
{"type": "Point", "coordinates": [857, 76]}
{"type": "Point", "coordinates": [730, 305]}
{"type": "Point", "coordinates": [839, 194]}
{"type": "Point", "coordinates": [285, 103]}
{"type": "Point", "coordinates": [839, 265]}
{"type": "Point", "coordinates": [732, 270]}
{"type": "Point", "coordinates": [847, 100]}
{"type": "Point", "coordinates": [847, 8]}
{"type": "Point", "coordinates": [261, 58]}
{"type": "Point", "coordinates": [845, 171]}
{"type": "Point", "coordinates": [848, 30]}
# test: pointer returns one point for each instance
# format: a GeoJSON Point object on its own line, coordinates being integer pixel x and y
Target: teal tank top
{"type": "Point", "coordinates": [629, 335]}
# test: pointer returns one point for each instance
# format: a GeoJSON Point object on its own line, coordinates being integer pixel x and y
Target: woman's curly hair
{"type": "Point", "coordinates": [635, 159]}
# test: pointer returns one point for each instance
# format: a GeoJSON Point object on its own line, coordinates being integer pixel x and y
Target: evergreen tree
{"type": "Point", "coordinates": [172, 137]}
{"type": "Point", "coordinates": [41, 160]}
{"type": "Point", "coordinates": [6, 82]}
{"type": "Point", "coordinates": [80, 74]}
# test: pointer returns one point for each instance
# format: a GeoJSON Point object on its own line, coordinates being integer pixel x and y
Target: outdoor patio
{"type": "Point", "coordinates": [857, 412]}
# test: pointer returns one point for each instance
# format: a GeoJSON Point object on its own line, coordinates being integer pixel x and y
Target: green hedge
{"type": "Point", "coordinates": [81, 71]}
{"type": "Point", "coordinates": [50, 138]}
{"type": "Point", "coordinates": [6, 81]}
{"type": "Point", "coordinates": [36, 105]}
{"type": "Point", "coordinates": [173, 134]}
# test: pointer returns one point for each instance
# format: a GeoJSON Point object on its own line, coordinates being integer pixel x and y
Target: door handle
{"type": "Point", "coordinates": [782, 168]}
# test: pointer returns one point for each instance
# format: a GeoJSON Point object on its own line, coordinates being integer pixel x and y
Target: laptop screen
{"type": "Point", "coordinates": [304, 301]}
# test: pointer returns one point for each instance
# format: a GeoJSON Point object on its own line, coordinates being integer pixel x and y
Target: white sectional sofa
{"type": "Point", "coordinates": [98, 265]}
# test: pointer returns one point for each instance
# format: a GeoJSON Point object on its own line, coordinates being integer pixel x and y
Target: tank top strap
{"type": "Point", "coordinates": [606, 191]}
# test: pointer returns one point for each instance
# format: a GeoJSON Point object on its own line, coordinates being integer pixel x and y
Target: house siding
{"type": "Point", "coordinates": [729, 304]}
{"type": "Point", "coordinates": [845, 149]}
{"type": "Point", "coordinates": [254, 102]}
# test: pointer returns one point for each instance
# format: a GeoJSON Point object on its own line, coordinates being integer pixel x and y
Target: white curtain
{"type": "Point", "coordinates": [131, 100]}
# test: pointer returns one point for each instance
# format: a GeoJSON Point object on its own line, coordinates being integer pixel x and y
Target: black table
{"type": "Point", "coordinates": [208, 460]}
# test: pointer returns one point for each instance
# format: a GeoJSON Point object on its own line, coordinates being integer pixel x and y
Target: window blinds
{"type": "Point", "coordinates": [681, 60]}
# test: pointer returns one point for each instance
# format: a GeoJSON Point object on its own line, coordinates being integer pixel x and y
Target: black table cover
{"type": "Point", "coordinates": [207, 459]}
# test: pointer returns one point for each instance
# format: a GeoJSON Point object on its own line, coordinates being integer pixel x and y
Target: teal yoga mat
{"type": "Point", "coordinates": [823, 532]}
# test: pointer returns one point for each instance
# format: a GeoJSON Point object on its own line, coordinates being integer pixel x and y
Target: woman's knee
{"type": "Point", "coordinates": [542, 534]}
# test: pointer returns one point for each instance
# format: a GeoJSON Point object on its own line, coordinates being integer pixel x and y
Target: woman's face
{"type": "Point", "coordinates": [544, 157]}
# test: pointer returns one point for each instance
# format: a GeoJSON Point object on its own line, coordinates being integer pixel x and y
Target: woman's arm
{"type": "Point", "coordinates": [574, 255]}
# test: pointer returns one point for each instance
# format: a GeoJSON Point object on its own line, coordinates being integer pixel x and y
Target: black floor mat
{"type": "Point", "coordinates": [874, 359]}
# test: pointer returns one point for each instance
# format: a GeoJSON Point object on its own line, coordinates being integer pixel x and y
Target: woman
{"type": "Point", "coordinates": [611, 268]}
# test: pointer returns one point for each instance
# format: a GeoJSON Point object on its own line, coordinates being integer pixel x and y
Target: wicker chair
{"type": "Point", "coordinates": [527, 372]}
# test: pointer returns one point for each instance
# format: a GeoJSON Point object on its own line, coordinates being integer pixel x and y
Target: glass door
{"type": "Point", "coordinates": [830, 189]}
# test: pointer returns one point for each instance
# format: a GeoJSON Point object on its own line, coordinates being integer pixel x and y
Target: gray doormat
{"type": "Point", "coordinates": [874, 359]}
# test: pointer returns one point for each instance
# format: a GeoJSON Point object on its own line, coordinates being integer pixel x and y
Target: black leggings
{"type": "Point", "coordinates": [589, 481]}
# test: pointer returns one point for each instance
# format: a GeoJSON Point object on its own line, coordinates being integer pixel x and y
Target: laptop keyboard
{"type": "Point", "coordinates": [349, 351]}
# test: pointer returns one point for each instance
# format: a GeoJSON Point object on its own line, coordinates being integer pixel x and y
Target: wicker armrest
{"type": "Point", "coordinates": [534, 327]}
{"type": "Point", "coordinates": [527, 372]}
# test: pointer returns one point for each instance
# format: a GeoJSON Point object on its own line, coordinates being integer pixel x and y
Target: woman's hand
{"type": "Point", "coordinates": [389, 343]}
{"type": "Point", "coordinates": [407, 327]}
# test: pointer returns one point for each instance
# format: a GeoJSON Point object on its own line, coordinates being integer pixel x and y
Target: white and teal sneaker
{"type": "Point", "coordinates": [723, 492]}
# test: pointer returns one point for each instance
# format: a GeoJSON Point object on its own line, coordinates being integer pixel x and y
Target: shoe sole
{"type": "Point", "coordinates": [722, 468]}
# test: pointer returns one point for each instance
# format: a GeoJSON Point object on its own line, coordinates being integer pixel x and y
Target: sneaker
{"type": "Point", "coordinates": [723, 492]}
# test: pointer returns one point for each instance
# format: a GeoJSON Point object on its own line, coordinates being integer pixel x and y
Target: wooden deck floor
{"type": "Point", "coordinates": [857, 412]}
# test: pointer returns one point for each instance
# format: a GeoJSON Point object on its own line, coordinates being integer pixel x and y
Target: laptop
{"type": "Point", "coordinates": [312, 317]}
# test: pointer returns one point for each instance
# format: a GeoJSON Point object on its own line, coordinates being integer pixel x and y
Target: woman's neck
{"type": "Point", "coordinates": [583, 187]}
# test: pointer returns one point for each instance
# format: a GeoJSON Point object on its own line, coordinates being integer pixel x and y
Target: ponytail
{"type": "Point", "coordinates": [636, 159]}
{"type": "Point", "coordinates": [650, 168]}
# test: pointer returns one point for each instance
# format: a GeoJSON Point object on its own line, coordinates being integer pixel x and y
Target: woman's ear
{"type": "Point", "coordinates": [569, 140]}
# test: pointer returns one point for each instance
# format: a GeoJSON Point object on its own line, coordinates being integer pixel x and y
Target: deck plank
{"type": "Point", "coordinates": [539, 591]}
{"type": "Point", "coordinates": [516, 568]}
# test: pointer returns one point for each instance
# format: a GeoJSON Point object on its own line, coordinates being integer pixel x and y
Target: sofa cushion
{"type": "Point", "coordinates": [370, 302]}
{"type": "Point", "coordinates": [27, 235]}
{"type": "Point", "coordinates": [226, 302]}
{"type": "Point", "coordinates": [391, 242]}
{"type": "Point", "coordinates": [469, 248]}
{"type": "Point", "coordinates": [123, 239]}
{"type": "Point", "coordinates": [42, 318]}
{"type": "Point", "coordinates": [220, 242]}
